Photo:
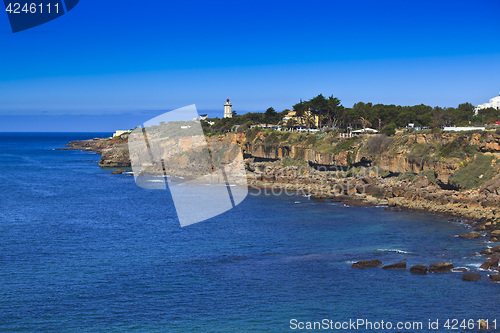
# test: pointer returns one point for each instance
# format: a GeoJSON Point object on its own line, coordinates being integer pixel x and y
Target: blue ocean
{"type": "Point", "coordinates": [82, 250]}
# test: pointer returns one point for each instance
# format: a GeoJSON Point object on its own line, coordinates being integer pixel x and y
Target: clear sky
{"type": "Point", "coordinates": [113, 64]}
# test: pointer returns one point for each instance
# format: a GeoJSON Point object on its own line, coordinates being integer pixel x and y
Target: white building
{"type": "Point", "coordinates": [118, 133]}
{"type": "Point", "coordinates": [494, 103]}
{"type": "Point", "coordinates": [228, 109]}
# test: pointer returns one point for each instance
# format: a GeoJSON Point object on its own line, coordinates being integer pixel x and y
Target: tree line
{"type": "Point", "coordinates": [331, 114]}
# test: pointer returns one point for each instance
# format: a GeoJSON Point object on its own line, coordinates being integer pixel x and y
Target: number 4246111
{"type": "Point", "coordinates": [32, 8]}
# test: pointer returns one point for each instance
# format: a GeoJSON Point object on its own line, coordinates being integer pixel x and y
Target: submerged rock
{"type": "Point", "coordinates": [487, 252]}
{"type": "Point", "coordinates": [471, 235]}
{"type": "Point", "coordinates": [459, 269]}
{"type": "Point", "coordinates": [441, 267]}
{"type": "Point", "coordinates": [399, 265]}
{"type": "Point", "coordinates": [419, 269]}
{"type": "Point", "coordinates": [471, 277]}
{"type": "Point", "coordinates": [495, 278]}
{"type": "Point", "coordinates": [366, 264]}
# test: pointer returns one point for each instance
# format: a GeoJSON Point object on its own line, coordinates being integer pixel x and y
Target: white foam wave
{"type": "Point", "coordinates": [394, 251]}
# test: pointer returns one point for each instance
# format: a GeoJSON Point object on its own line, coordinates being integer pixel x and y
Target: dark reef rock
{"type": "Point", "coordinates": [399, 265]}
{"type": "Point", "coordinates": [366, 264]}
{"type": "Point", "coordinates": [441, 267]}
{"type": "Point", "coordinates": [471, 277]}
{"type": "Point", "coordinates": [495, 278]}
{"type": "Point", "coordinates": [419, 269]}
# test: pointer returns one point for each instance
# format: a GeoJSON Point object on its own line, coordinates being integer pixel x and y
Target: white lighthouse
{"type": "Point", "coordinates": [228, 109]}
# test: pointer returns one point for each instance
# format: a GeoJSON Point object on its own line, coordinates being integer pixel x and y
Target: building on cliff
{"type": "Point", "coordinates": [301, 120]}
{"type": "Point", "coordinates": [494, 103]}
{"type": "Point", "coordinates": [119, 132]}
{"type": "Point", "coordinates": [228, 109]}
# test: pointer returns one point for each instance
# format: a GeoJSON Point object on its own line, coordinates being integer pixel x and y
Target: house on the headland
{"type": "Point", "coordinates": [118, 133]}
{"type": "Point", "coordinates": [463, 129]}
{"type": "Point", "coordinates": [302, 120]}
{"type": "Point", "coordinates": [365, 131]}
{"type": "Point", "coordinates": [494, 103]}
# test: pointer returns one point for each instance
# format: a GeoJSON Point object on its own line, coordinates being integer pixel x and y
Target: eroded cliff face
{"type": "Point", "coordinates": [395, 158]}
{"type": "Point", "coordinates": [395, 155]}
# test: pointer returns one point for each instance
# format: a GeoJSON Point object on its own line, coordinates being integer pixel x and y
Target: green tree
{"type": "Point", "coordinates": [271, 116]}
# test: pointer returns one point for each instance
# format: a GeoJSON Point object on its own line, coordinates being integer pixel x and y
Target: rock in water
{"type": "Point", "coordinates": [490, 263]}
{"type": "Point", "coordinates": [366, 264]}
{"type": "Point", "coordinates": [471, 277]}
{"type": "Point", "coordinates": [459, 269]}
{"type": "Point", "coordinates": [441, 267]}
{"type": "Point", "coordinates": [471, 235]}
{"type": "Point", "coordinates": [487, 252]}
{"type": "Point", "coordinates": [418, 269]}
{"type": "Point", "coordinates": [399, 265]}
{"type": "Point", "coordinates": [495, 233]}
{"type": "Point", "coordinates": [495, 278]}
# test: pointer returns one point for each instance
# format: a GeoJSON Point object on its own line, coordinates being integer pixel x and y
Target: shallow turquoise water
{"type": "Point", "coordinates": [84, 250]}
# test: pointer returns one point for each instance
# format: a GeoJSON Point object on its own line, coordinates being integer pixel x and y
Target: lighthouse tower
{"type": "Point", "coordinates": [228, 109]}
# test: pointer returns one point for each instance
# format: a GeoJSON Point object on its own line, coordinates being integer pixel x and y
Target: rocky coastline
{"type": "Point", "coordinates": [369, 171]}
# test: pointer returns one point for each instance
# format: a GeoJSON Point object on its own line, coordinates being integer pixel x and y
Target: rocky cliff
{"type": "Point", "coordinates": [451, 173]}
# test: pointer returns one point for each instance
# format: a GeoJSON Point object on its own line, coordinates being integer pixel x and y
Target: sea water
{"type": "Point", "coordinates": [82, 250]}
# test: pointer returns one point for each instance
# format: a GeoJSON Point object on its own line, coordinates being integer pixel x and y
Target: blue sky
{"type": "Point", "coordinates": [113, 64]}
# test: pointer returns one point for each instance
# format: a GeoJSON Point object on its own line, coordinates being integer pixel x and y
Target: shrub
{"type": "Point", "coordinates": [430, 174]}
{"type": "Point", "coordinates": [389, 129]}
{"type": "Point", "coordinates": [346, 144]}
{"type": "Point", "coordinates": [252, 133]}
{"type": "Point", "coordinates": [311, 139]}
{"type": "Point", "coordinates": [474, 174]}
{"type": "Point", "coordinates": [459, 148]}
{"type": "Point", "coordinates": [271, 138]}
{"type": "Point", "coordinates": [407, 176]}
{"type": "Point", "coordinates": [422, 153]}
{"type": "Point", "coordinates": [285, 136]}
{"type": "Point", "coordinates": [377, 144]}
{"type": "Point", "coordinates": [243, 128]}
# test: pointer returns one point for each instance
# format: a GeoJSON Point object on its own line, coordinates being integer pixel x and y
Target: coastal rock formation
{"type": "Point", "coordinates": [400, 265]}
{"type": "Point", "coordinates": [471, 277]}
{"type": "Point", "coordinates": [366, 264]}
{"type": "Point", "coordinates": [419, 269]}
{"type": "Point", "coordinates": [442, 267]}
{"type": "Point", "coordinates": [115, 157]}
{"type": "Point", "coordinates": [491, 263]}
{"type": "Point", "coordinates": [402, 172]}
{"type": "Point", "coordinates": [495, 278]}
